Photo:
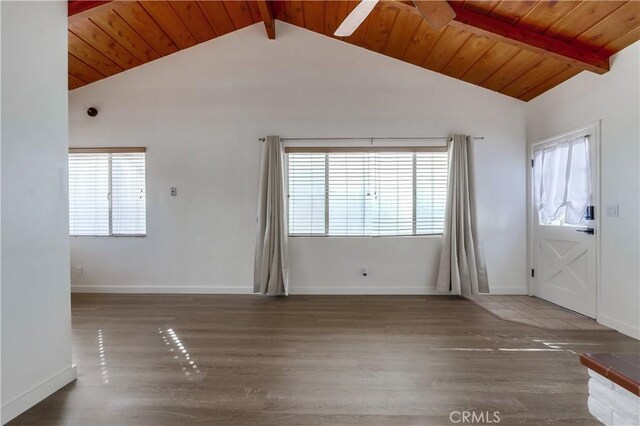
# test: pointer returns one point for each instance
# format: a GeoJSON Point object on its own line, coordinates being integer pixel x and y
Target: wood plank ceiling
{"type": "Point", "coordinates": [109, 38]}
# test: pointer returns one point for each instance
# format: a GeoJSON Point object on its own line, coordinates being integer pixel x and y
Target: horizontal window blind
{"type": "Point", "coordinates": [307, 193]}
{"type": "Point", "coordinates": [392, 211]}
{"type": "Point", "coordinates": [431, 191]}
{"type": "Point", "coordinates": [349, 193]}
{"type": "Point", "coordinates": [128, 200]}
{"type": "Point", "coordinates": [89, 194]}
{"type": "Point", "coordinates": [107, 194]}
{"type": "Point", "coordinates": [375, 193]}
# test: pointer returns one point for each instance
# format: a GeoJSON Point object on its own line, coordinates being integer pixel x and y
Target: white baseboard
{"type": "Point", "coordinates": [325, 290]}
{"type": "Point", "coordinates": [31, 397]}
{"type": "Point", "coordinates": [337, 290]}
{"type": "Point", "coordinates": [151, 289]}
{"type": "Point", "coordinates": [515, 291]}
{"type": "Point", "coordinates": [631, 330]}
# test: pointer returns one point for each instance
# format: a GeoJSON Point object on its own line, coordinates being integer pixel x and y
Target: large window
{"type": "Point", "coordinates": [367, 193]}
{"type": "Point", "coordinates": [107, 195]}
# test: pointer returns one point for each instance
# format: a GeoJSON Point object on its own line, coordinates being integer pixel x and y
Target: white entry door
{"type": "Point", "coordinates": [565, 221]}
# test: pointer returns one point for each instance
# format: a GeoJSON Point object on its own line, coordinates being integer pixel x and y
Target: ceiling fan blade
{"type": "Point", "coordinates": [355, 18]}
{"type": "Point", "coordinates": [437, 13]}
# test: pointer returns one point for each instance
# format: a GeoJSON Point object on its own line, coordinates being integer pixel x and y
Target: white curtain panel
{"type": "Point", "coordinates": [562, 182]}
{"type": "Point", "coordinates": [271, 268]}
{"type": "Point", "coordinates": [462, 269]}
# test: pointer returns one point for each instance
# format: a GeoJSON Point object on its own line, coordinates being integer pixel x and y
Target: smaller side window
{"type": "Point", "coordinates": [107, 192]}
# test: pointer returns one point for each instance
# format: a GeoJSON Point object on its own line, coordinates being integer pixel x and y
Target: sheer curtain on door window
{"type": "Point", "coordinates": [562, 182]}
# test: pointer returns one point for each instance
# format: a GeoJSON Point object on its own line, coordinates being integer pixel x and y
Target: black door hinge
{"type": "Point", "coordinates": [533, 273]}
{"type": "Point", "coordinates": [532, 162]}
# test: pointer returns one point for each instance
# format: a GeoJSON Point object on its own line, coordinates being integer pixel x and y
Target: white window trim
{"type": "Point", "coordinates": [110, 150]}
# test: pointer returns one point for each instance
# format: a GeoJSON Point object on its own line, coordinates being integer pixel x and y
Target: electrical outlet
{"type": "Point", "coordinates": [612, 211]}
{"type": "Point", "coordinates": [174, 191]}
{"type": "Point", "coordinates": [78, 271]}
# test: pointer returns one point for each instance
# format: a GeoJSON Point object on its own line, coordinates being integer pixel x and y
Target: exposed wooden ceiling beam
{"type": "Point", "coordinates": [530, 40]}
{"type": "Point", "coordinates": [75, 7]}
{"type": "Point", "coordinates": [266, 12]}
{"type": "Point", "coordinates": [78, 10]}
{"type": "Point", "coordinates": [523, 38]}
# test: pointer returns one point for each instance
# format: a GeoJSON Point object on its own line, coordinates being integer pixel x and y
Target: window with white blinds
{"type": "Point", "coordinates": [367, 193]}
{"type": "Point", "coordinates": [107, 195]}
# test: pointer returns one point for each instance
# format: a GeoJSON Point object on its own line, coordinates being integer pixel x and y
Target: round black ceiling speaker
{"type": "Point", "coordinates": [92, 112]}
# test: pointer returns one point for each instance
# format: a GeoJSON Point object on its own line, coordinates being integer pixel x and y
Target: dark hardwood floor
{"type": "Point", "coordinates": [304, 360]}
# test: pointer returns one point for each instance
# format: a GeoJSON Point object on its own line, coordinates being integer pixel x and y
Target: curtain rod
{"type": "Point", "coordinates": [371, 139]}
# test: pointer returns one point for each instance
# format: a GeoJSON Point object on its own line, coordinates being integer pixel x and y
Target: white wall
{"type": "Point", "coordinates": [36, 315]}
{"type": "Point", "coordinates": [613, 98]}
{"type": "Point", "coordinates": [200, 112]}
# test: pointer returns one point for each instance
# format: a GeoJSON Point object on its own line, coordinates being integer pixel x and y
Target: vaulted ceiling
{"type": "Point", "coordinates": [517, 48]}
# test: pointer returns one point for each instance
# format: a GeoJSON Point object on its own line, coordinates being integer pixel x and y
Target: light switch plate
{"type": "Point", "coordinates": [174, 191]}
{"type": "Point", "coordinates": [612, 211]}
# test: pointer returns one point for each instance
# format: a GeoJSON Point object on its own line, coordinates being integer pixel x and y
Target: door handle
{"type": "Point", "coordinates": [589, 231]}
